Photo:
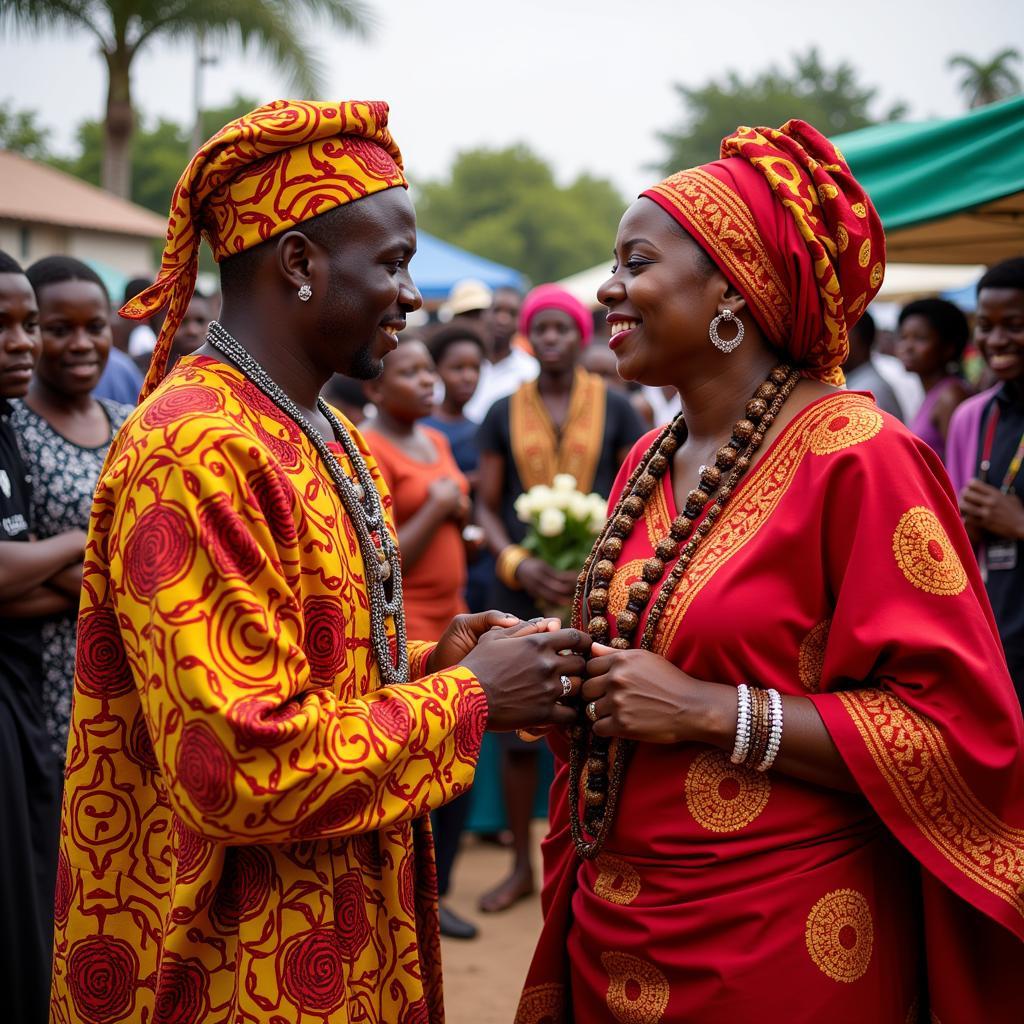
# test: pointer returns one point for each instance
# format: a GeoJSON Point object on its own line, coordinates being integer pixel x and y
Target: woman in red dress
{"type": "Point", "coordinates": [796, 790]}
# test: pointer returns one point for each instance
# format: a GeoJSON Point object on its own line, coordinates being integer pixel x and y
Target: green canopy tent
{"type": "Point", "coordinates": [947, 191]}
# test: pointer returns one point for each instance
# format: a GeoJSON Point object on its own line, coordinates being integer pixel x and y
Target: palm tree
{"type": "Point", "coordinates": [124, 27]}
{"type": "Point", "coordinates": [987, 81]}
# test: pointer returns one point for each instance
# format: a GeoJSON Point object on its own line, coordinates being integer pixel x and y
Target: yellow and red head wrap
{"type": "Point", "coordinates": [275, 167]}
{"type": "Point", "coordinates": [786, 222]}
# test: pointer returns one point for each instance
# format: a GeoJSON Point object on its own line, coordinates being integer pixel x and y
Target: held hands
{"type": "Point", "coordinates": [464, 632]}
{"type": "Point", "coordinates": [639, 695]}
{"type": "Point", "coordinates": [447, 495]}
{"type": "Point", "coordinates": [522, 674]}
{"type": "Point", "coordinates": [542, 583]}
{"type": "Point", "coordinates": [986, 508]}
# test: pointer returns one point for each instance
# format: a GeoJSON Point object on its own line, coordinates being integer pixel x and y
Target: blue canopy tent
{"type": "Point", "coordinates": [438, 265]}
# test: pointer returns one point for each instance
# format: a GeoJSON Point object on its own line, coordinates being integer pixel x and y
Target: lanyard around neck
{"type": "Point", "coordinates": [986, 453]}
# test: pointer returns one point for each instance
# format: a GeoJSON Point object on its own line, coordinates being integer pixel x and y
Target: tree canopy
{"type": "Point", "coordinates": [832, 99]}
{"type": "Point", "coordinates": [987, 81]}
{"type": "Point", "coordinates": [160, 152]}
{"type": "Point", "coordinates": [506, 205]}
{"type": "Point", "coordinates": [122, 28]}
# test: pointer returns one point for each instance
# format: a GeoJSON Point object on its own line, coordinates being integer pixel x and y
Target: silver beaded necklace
{"type": "Point", "coordinates": [361, 502]}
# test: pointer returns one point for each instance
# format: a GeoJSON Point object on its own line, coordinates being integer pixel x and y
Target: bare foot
{"type": "Point", "coordinates": [507, 893]}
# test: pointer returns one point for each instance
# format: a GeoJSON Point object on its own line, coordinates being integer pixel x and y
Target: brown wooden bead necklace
{"type": "Point", "coordinates": [604, 759]}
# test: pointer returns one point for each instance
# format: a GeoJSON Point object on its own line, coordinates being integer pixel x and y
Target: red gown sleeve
{"type": "Point", "coordinates": [914, 687]}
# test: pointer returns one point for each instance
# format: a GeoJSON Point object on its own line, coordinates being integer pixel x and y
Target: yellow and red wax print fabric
{"type": "Point", "coordinates": [725, 894]}
{"type": "Point", "coordinates": [243, 835]}
{"type": "Point", "coordinates": [265, 172]}
{"type": "Point", "coordinates": [787, 223]}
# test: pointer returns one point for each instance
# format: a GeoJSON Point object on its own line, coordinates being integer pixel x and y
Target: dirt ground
{"type": "Point", "coordinates": [484, 976]}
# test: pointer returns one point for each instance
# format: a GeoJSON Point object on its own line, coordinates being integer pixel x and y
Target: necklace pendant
{"type": "Point", "coordinates": [384, 572]}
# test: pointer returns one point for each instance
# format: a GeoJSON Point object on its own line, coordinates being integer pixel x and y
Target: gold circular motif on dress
{"type": "Point", "coordinates": [840, 935]}
{"type": "Point", "coordinates": [827, 192]}
{"type": "Point", "coordinates": [811, 656]}
{"type": "Point", "coordinates": [926, 555]}
{"type": "Point", "coordinates": [618, 589]}
{"type": "Point", "coordinates": [722, 796]}
{"type": "Point", "coordinates": [864, 256]}
{"type": "Point", "coordinates": [860, 210]}
{"type": "Point", "coordinates": [637, 991]}
{"type": "Point", "coordinates": [617, 881]}
{"type": "Point", "coordinates": [856, 424]}
{"type": "Point", "coordinates": [877, 273]}
{"type": "Point", "coordinates": [542, 1004]}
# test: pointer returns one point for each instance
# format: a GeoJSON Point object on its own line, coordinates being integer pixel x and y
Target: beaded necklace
{"type": "Point", "coordinates": [599, 761]}
{"type": "Point", "coordinates": [360, 500]}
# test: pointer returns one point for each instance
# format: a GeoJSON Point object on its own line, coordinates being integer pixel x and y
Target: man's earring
{"type": "Point", "coordinates": [305, 293]}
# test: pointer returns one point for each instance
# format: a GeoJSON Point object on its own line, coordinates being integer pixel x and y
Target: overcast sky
{"type": "Point", "coordinates": [586, 83]}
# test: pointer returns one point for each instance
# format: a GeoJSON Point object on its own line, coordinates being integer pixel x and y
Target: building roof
{"type": "Point", "coordinates": [35, 193]}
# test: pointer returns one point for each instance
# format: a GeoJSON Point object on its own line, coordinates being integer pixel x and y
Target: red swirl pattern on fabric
{"type": "Point", "coordinates": [325, 638]}
{"type": "Point", "coordinates": [313, 971]}
{"type": "Point", "coordinates": [204, 768]}
{"type": "Point", "coordinates": [62, 890]}
{"type": "Point", "coordinates": [182, 992]}
{"type": "Point", "coordinates": [138, 745]}
{"type": "Point", "coordinates": [159, 551]}
{"type": "Point", "coordinates": [258, 722]}
{"type": "Point", "coordinates": [233, 547]}
{"type": "Point", "coordinates": [341, 810]}
{"type": "Point", "coordinates": [273, 497]}
{"type": "Point", "coordinates": [100, 662]}
{"type": "Point", "coordinates": [350, 914]}
{"type": "Point", "coordinates": [179, 404]}
{"type": "Point", "coordinates": [244, 887]}
{"type": "Point", "coordinates": [101, 978]}
{"type": "Point", "coordinates": [392, 717]}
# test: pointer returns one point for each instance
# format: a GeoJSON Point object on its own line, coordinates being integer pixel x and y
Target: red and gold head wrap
{"type": "Point", "coordinates": [275, 167]}
{"type": "Point", "coordinates": [786, 222]}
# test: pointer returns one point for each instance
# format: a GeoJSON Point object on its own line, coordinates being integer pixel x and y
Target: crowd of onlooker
{"type": "Point", "coordinates": [497, 395]}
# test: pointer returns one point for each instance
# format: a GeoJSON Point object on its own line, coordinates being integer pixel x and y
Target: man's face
{"type": "Point", "coordinates": [192, 332]}
{"type": "Point", "coordinates": [368, 291]}
{"type": "Point", "coordinates": [19, 335]}
{"type": "Point", "coordinates": [502, 317]}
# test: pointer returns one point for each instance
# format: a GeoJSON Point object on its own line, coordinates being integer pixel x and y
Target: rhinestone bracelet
{"type": "Point", "coordinates": [741, 748]}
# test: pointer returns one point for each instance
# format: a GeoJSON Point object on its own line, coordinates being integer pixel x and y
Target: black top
{"type": "Point", "coordinates": [1006, 587]}
{"type": "Point", "coordinates": [622, 428]}
{"type": "Point", "coordinates": [21, 649]}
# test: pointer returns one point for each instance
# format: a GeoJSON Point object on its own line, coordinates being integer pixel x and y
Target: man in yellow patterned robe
{"type": "Point", "coordinates": [244, 835]}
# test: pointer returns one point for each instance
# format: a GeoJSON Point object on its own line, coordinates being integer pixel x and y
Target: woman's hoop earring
{"type": "Point", "coordinates": [717, 340]}
{"type": "Point", "coordinates": [305, 292]}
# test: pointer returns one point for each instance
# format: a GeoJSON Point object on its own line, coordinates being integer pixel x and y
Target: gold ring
{"type": "Point", "coordinates": [566, 686]}
{"type": "Point", "coordinates": [592, 711]}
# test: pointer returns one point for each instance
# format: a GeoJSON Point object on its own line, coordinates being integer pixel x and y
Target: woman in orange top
{"type": "Point", "coordinates": [430, 496]}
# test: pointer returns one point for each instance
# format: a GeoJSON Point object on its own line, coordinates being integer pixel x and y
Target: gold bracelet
{"type": "Point", "coordinates": [509, 560]}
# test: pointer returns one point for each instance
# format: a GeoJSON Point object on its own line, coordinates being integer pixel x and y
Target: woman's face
{"type": "Point", "coordinates": [459, 370]}
{"type": "Point", "coordinates": [999, 331]}
{"type": "Point", "coordinates": [19, 335]}
{"type": "Point", "coordinates": [555, 339]}
{"type": "Point", "coordinates": [406, 387]}
{"type": "Point", "coordinates": [660, 297]}
{"type": "Point", "coordinates": [74, 320]}
{"type": "Point", "coordinates": [920, 348]}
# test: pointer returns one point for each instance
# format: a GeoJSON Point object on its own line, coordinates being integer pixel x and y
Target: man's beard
{"type": "Point", "coordinates": [364, 366]}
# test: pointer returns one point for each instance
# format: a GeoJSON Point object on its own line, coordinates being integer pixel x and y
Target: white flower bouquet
{"type": "Point", "coordinates": [563, 521]}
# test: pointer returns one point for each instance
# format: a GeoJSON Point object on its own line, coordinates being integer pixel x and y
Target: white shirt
{"type": "Point", "coordinates": [498, 380]}
{"type": "Point", "coordinates": [908, 387]}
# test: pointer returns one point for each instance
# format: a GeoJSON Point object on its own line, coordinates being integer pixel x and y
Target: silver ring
{"type": "Point", "coordinates": [592, 711]}
{"type": "Point", "coordinates": [566, 686]}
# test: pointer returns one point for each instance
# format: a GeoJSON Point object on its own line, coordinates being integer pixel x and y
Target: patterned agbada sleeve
{"type": "Point", "coordinates": [248, 644]}
{"type": "Point", "coordinates": [913, 686]}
